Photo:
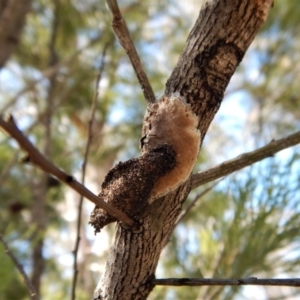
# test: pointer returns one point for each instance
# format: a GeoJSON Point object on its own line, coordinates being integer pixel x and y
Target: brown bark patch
{"type": "Point", "coordinates": [128, 185]}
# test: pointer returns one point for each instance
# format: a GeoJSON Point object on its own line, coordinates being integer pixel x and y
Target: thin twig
{"type": "Point", "coordinates": [122, 33]}
{"type": "Point", "coordinates": [84, 164]}
{"type": "Point", "coordinates": [35, 157]}
{"type": "Point", "coordinates": [245, 160]}
{"type": "Point", "coordinates": [227, 282]}
{"type": "Point", "coordinates": [192, 204]}
{"type": "Point", "coordinates": [30, 287]}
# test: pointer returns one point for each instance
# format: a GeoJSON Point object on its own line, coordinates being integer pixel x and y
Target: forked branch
{"type": "Point", "coordinates": [35, 157]}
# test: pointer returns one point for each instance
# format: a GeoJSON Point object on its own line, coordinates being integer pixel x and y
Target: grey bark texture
{"type": "Point", "coordinates": [214, 48]}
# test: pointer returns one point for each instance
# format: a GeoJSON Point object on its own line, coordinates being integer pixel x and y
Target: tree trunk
{"type": "Point", "coordinates": [12, 20]}
{"type": "Point", "coordinates": [214, 48]}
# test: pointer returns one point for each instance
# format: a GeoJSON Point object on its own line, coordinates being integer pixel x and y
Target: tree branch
{"type": "Point", "coordinates": [215, 46]}
{"type": "Point", "coordinates": [35, 157]}
{"type": "Point", "coordinates": [245, 160]}
{"type": "Point", "coordinates": [226, 282]}
{"type": "Point", "coordinates": [30, 287]}
{"type": "Point", "coordinates": [192, 204]}
{"type": "Point", "coordinates": [84, 164]}
{"type": "Point", "coordinates": [121, 31]}
{"type": "Point", "coordinates": [12, 18]}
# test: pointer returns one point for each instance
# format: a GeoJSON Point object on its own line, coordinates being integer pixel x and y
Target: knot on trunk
{"type": "Point", "coordinates": [128, 185]}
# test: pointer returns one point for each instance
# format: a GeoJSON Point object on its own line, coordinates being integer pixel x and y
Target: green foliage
{"type": "Point", "coordinates": [275, 89]}
{"type": "Point", "coordinates": [11, 285]}
{"type": "Point", "coordinates": [247, 226]}
{"type": "Point", "coordinates": [58, 60]}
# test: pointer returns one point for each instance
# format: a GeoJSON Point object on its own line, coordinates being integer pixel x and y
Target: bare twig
{"type": "Point", "coordinates": [35, 157]}
{"type": "Point", "coordinates": [30, 287]}
{"type": "Point", "coordinates": [227, 282]}
{"type": "Point", "coordinates": [192, 204]}
{"type": "Point", "coordinates": [121, 31]}
{"type": "Point", "coordinates": [245, 160]}
{"type": "Point", "coordinates": [85, 160]}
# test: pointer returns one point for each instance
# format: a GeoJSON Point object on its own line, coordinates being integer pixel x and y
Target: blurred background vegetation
{"type": "Point", "coordinates": [247, 225]}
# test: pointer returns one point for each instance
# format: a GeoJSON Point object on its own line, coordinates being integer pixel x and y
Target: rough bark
{"type": "Point", "coordinates": [128, 185]}
{"type": "Point", "coordinates": [133, 257]}
{"type": "Point", "coordinates": [12, 19]}
{"type": "Point", "coordinates": [215, 47]}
